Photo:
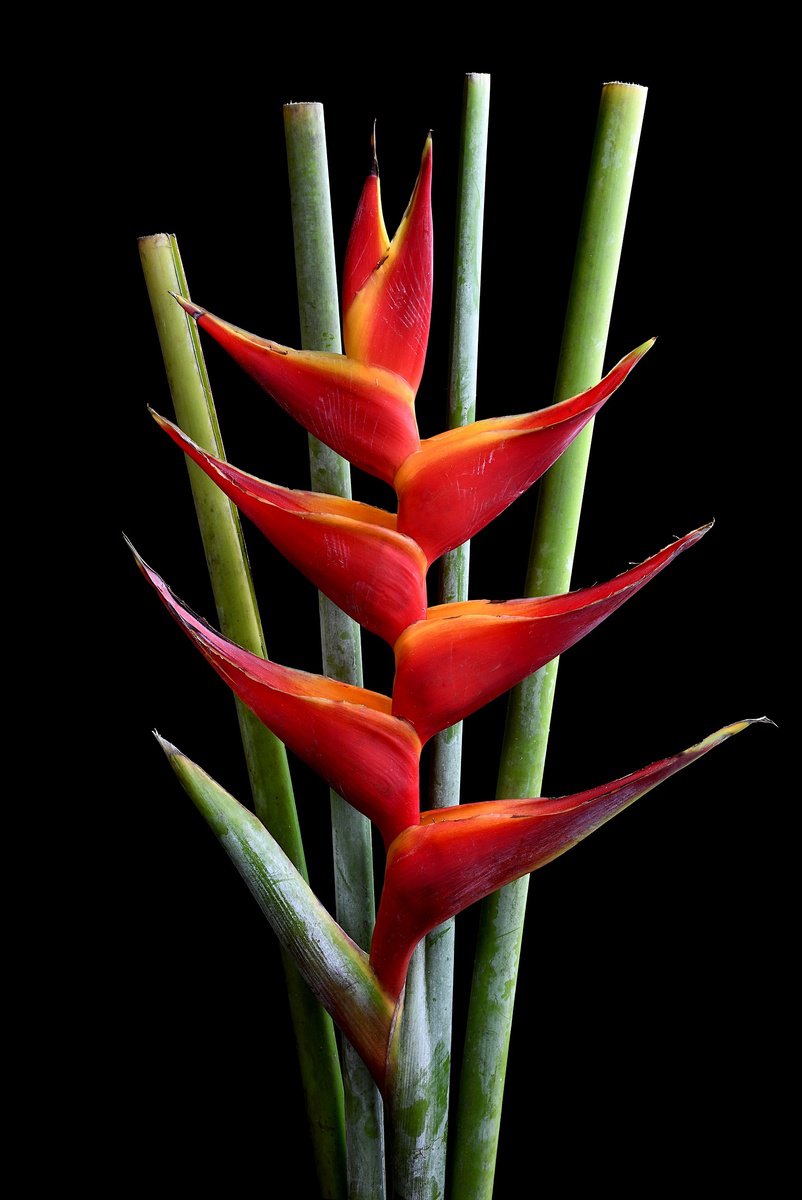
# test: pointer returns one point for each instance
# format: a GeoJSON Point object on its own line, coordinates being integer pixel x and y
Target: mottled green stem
{"type": "Point", "coordinates": [342, 654]}
{"type": "Point", "coordinates": [551, 559]}
{"type": "Point", "coordinates": [418, 1103]}
{"type": "Point", "coordinates": [239, 620]}
{"type": "Point", "coordinates": [422, 1091]}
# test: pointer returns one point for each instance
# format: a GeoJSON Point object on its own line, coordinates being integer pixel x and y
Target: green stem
{"type": "Point", "coordinates": [422, 1092]}
{"type": "Point", "coordinates": [239, 620]}
{"type": "Point", "coordinates": [419, 1101]}
{"type": "Point", "coordinates": [551, 559]}
{"type": "Point", "coordinates": [342, 654]}
{"type": "Point", "coordinates": [444, 788]}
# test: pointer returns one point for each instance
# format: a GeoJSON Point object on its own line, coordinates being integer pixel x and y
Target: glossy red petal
{"type": "Point", "coordinates": [344, 733]}
{"type": "Point", "coordinates": [464, 655]}
{"type": "Point", "coordinates": [368, 242]}
{"type": "Point", "coordinates": [386, 318]}
{"type": "Point", "coordinates": [350, 551]}
{"type": "Point", "coordinates": [364, 412]}
{"type": "Point", "coordinates": [459, 855]}
{"type": "Point", "coordinates": [459, 481]}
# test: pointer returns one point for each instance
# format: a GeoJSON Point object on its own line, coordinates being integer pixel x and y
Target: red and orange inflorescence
{"type": "Point", "coordinates": [450, 659]}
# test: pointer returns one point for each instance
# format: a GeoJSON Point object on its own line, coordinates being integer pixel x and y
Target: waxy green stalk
{"type": "Point", "coordinates": [463, 369]}
{"type": "Point", "coordinates": [340, 636]}
{"type": "Point", "coordinates": [551, 560]}
{"type": "Point", "coordinates": [421, 1102]}
{"type": "Point", "coordinates": [239, 620]}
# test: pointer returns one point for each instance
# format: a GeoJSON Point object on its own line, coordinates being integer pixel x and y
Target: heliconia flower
{"type": "Point", "coordinates": [456, 856]}
{"type": "Point", "coordinates": [345, 733]}
{"type": "Point", "coordinates": [387, 285]}
{"type": "Point", "coordinates": [449, 486]}
{"type": "Point", "coordinates": [459, 481]}
{"type": "Point", "coordinates": [465, 654]}
{"type": "Point", "coordinates": [372, 564]}
{"type": "Point", "coordinates": [363, 411]}
{"type": "Point", "coordinates": [350, 551]}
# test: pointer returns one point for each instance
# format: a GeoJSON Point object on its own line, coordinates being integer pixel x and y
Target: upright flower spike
{"type": "Point", "coordinates": [459, 481]}
{"type": "Point", "coordinates": [464, 655]}
{"type": "Point", "coordinates": [387, 302]}
{"type": "Point", "coordinates": [350, 551]}
{"type": "Point", "coordinates": [456, 856]}
{"type": "Point", "coordinates": [363, 411]}
{"type": "Point", "coordinates": [345, 733]}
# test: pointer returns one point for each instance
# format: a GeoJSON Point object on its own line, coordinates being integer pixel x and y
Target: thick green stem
{"type": "Point", "coordinates": [419, 1100]}
{"type": "Point", "coordinates": [551, 559]}
{"type": "Point", "coordinates": [422, 1092]}
{"type": "Point", "coordinates": [342, 655]}
{"type": "Point", "coordinates": [463, 368]}
{"type": "Point", "coordinates": [239, 620]}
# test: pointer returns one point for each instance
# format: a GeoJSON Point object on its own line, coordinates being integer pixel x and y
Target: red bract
{"type": "Point", "coordinates": [464, 655]}
{"type": "Point", "coordinates": [363, 411]}
{"type": "Point", "coordinates": [350, 551]}
{"type": "Point", "coordinates": [459, 855]}
{"type": "Point", "coordinates": [387, 286]}
{"type": "Point", "coordinates": [449, 486]}
{"type": "Point", "coordinates": [368, 241]}
{"type": "Point", "coordinates": [347, 734]}
{"type": "Point", "coordinates": [459, 481]}
{"type": "Point", "coordinates": [372, 564]}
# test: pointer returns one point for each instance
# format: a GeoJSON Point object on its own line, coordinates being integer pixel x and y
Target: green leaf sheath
{"type": "Point", "coordinates": [422, 1099]}
{"type": "Point", "coordinates": [333, 965]}
{"type": "Point", "coordinates": [551, 560]}
{"type": "Point", "coordinates": [239, 620]}
{"type": "Point", "coordinates": [340, 635]}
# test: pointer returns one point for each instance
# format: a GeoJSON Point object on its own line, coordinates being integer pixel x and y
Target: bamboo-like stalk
{"type": "Point", "coordinates": [551, 559]}
{"type": "Point", "coordinates": [463, 368]}
{"type": "Point", "coordinates": [422, 1093]}
{"type": "Point", "coordinates": [340, 636]}
{"type": "Point", "coordinates": [265, 755]}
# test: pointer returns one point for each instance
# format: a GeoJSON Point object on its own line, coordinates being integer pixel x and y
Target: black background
{"type": "Point", "coordinates": [643, 945]}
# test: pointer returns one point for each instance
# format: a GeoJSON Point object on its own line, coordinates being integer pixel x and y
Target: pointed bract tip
{"type": "Point", "coordinates": [138, 559]}
{"type": "Point", "coordinates": [191, 309]}
{"type": "Point", "coordinates": [374, 162]}
{"type": "Point", "coordinates": [163, 422]}
{"type": "Point", "coordinates": [696, 535]}
{"type": "Point", "coordinates": [728, 731]}
{"type": "Point", "coordinates": [739, 725]}
{"type": "Point", "coordinates": [170, 427]}
{"type": "Point", "coordinates": [169, 749]}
